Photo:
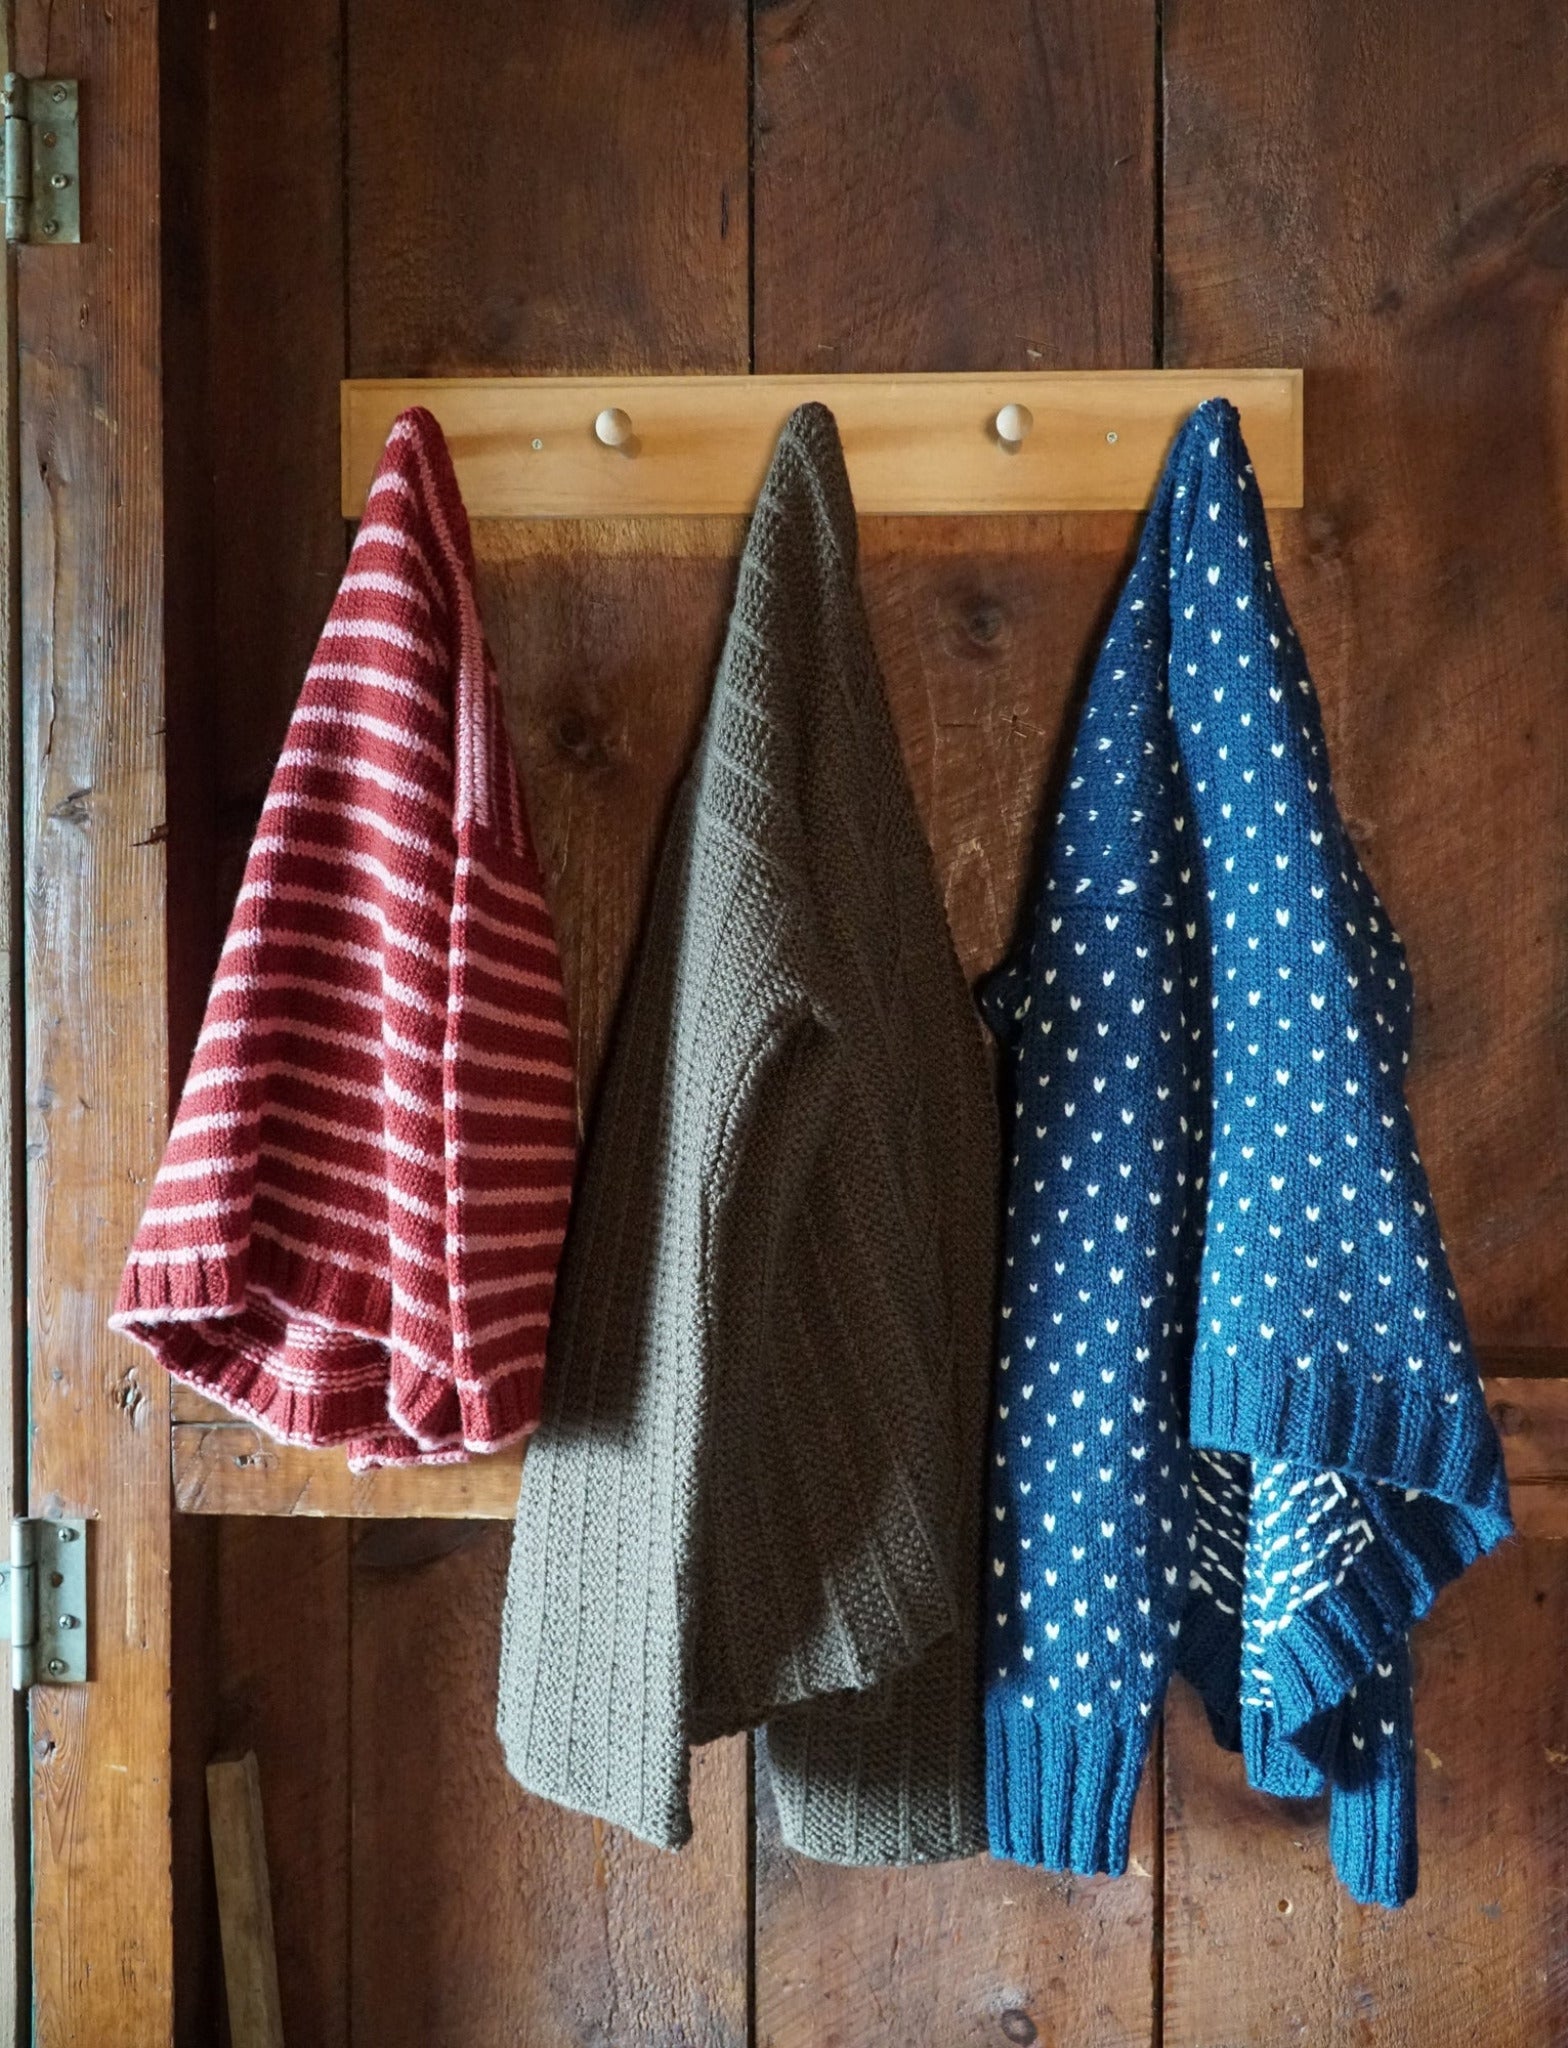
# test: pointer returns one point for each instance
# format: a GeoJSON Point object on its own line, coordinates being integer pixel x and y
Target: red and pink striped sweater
{"type": "Point", "coordinates": [354, 1234]}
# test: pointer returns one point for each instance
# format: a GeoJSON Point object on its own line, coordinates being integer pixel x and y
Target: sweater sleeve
{"type": "Point", "coordinates": [1090, 1512]}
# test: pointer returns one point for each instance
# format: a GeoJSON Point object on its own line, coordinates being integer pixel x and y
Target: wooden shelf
{"type": "Point", "coordinates": [224, 1467]}
{"type": "Point", "coordinates": [525, 447]}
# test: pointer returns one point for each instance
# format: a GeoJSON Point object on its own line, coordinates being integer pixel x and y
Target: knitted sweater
{"type": "Point", "coordinates": [755, 1496]}
{"type": "Point", "coordinates": [1238, 1427]}
{"type": "Point", "coordinates": [354, 1233]}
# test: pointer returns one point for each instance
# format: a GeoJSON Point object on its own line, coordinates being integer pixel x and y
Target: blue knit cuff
{"type": "Point", "coordinates": [1061, 1797]}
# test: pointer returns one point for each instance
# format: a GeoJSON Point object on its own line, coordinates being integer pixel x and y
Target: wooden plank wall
{"type": "Point", "coordinates": [688, 185]}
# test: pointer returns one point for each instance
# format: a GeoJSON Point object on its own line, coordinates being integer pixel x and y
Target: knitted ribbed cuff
{"type": "Point", "coordinates": [1061, 1796]}
{"type": "Point", "coordinates": [1332, 1419]}
{"type": "Point", "coordinates": [1372, 1817]}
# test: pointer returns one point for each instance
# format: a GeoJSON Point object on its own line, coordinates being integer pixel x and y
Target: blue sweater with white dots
{"type": "Point", "coordinates": [1238, 1429]}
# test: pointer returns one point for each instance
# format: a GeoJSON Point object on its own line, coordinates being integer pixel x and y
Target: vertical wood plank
{"type": "Point", "coordinates": [588, 210]}
{"type": "Point", "coordinates": [274, 309]}
{"type": "Point", "coordinates": [1262, 1944]}
{"type": "Point", "coordinates": [282, 1671]}
{"type": "Point", "coordinates": [15, 1961]}
{"type": "Point", "coordinates": [930, 196]}
{"type": "Point", "coordinates": [97, 1085]}
{"type": "Point", "coordinates": [584, 206]}
{"type": "Point", "coordinates": [1378, 196]}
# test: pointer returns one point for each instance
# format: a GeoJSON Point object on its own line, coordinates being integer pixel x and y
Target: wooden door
{"type": "Point", "coordinates": [379, 187]}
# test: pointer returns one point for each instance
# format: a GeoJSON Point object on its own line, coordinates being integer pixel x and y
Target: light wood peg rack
{"type": "Point", "coordinates": [968, 442]}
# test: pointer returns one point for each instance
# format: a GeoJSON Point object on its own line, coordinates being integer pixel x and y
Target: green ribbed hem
{"type": "Point", "coordinates": [1061, 1796]}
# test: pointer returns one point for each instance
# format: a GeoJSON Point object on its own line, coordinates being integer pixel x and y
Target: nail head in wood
{"type": "Point", "coordinates": [1012, 425]}
{"type": "Point", "coordinates": [613, 427]}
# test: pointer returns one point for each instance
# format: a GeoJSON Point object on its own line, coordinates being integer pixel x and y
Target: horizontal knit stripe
{"type": "Point", "coordinates": [379, 1121]}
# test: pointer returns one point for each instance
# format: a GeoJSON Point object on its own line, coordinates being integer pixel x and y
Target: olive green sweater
{"type": "Point", "coordinates": [755, 1494]}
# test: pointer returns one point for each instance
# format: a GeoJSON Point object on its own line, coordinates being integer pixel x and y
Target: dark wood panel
{"type": "Point", "coordinates": [282, 1665]}
{"type": "Point", "coordinates": [1261, 1943]}
{"type": "Point", "coordinates": [275, 298]}
{"type": "Point", "coordinates": [1377, 194]}
{"type": "Point", "coordinates": [91, 586]}
{"type": "Point", "coordinates": [549, 188]}
{"type": "Point", "coordinates": [941, 191]}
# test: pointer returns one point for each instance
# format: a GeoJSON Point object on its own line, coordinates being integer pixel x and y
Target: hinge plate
{"type": "Point", "coordinates": [43, 186]}
{"type": "Point", "coordinates": [43, 1602]}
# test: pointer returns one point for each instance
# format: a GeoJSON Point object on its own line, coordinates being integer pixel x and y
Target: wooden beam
{"type": "Point", "coordinates": [525, 447]}
{"type": "Point", "coordinates": [92, 594]}
{"type": "Point", "coordinates": [223, 1467]}
{"type": "Point", "coordinates": [239, 1863]}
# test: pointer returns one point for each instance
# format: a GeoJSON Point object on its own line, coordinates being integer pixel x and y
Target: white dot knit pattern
{"type": "Point", "coordinates": [1238, 1428]}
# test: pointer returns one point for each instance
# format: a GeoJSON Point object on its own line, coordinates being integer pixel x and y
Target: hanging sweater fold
{"type": "Point", "coordinates": [755, 1496]}
{"type": "Point", "coordinates": [1238, 1429]}
{"type": "Point", "coordinates": [354, 1233]}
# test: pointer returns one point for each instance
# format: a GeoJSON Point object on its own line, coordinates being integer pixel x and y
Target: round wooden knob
{"type": "Point", "coordinates": [613, 427]}
{"type": "Point", "coordinates": [1012, 424]}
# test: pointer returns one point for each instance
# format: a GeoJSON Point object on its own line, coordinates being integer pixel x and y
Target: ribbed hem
{"type": "Point", "coordinates": [1323, 1420]}
{"type": "Point", "coordinates": [223, 1327]}
{"type": "Point", "coordinates": [1061, 1797]}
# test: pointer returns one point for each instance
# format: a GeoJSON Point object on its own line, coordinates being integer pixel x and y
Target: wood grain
{"type": "Point", "coordinates": [97, 1086]}
{"type": "Point", "coordinates": [1262, 1944]}
{"type": "Point", "coordinates": [281, 1677]}
{"type": "Point", "coordinates": [15, 1931]}
{"type": "Point", "coordinates": [526, 447]}
{"type": "Point", "coordinates": [586, 206]}
{"type": "Point", "coordinates": [938, 193]}
{"type": "Point", "coordinates": [239, 1858]}
{"type": "Point", "coordinates": [484, 1915]}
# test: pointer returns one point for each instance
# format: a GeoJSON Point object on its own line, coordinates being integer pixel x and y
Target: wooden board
{"type": "Point", "coordinates": [222, 1466]}
{"type": "Point", "coordinates": [277, 1607]}
{"type": "Point", "coordinates": [14, 1887]}
{"type": "Point", "coordinates": [239, 1860]}
{"type": "Point", "coordinates": [88, 332]}
{"type": "Point", "coordinates": [526, 448]}
{"type": "Point", "coordinates": [1316, 204]}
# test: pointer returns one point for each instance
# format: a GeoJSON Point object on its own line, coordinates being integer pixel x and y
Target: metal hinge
{"type": "Point", "coordinates": [43, 192]}
{"type": "Point", "coordinates": [43, 1602]}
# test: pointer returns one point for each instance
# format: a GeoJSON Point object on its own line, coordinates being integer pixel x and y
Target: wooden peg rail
{"type": "Point", "coordinates": [647, 447]}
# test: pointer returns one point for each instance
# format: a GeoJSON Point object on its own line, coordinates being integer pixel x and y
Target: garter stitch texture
{"type": "Point", "coordinates": [756, 1492]}
{"type": "Point", "coordinates": [1238, 1429]}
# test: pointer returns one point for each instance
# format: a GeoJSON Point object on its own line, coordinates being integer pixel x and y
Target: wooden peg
{"type": "Point", "coordinates": [1012, 425]}
{"type": "Point", "coordinates": [614, 427]}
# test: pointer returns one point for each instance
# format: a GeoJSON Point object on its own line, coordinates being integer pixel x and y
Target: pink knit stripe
{"type": "Point", "coordinates": [354, 1236]}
